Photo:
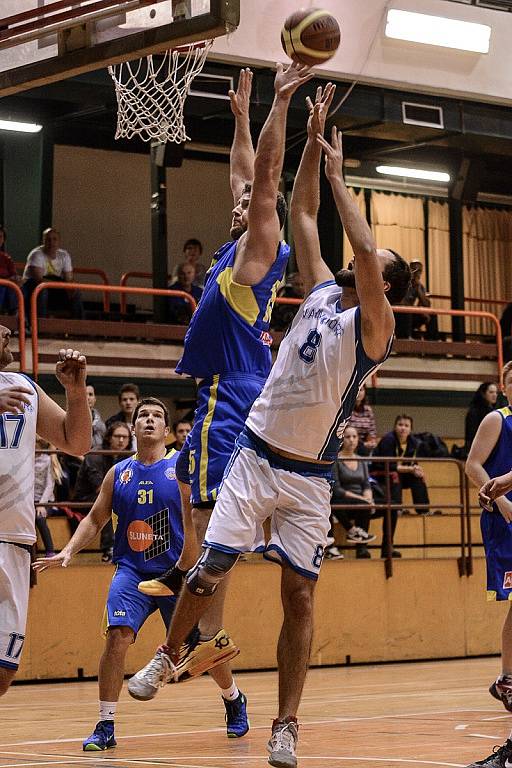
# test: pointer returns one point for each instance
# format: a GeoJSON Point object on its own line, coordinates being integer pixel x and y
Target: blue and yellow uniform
{"type": "Point", "coordinates": [227, 347]}
{"type": "Point", "coordinates": [496, 532]}
{"type": "Point", "coordinates": [148, 538]}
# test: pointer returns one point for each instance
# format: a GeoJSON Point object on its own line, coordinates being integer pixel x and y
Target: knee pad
{"type": "Point", "coordinates": [206, 575]}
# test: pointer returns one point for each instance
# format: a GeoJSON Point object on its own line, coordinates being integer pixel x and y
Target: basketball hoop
{"type": "Point", "coordinates": [151, 92]}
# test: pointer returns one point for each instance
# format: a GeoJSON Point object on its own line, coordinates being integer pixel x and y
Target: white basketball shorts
{"type": "Point", "coordinates": [14, 589]}
{"type": "Point", "coordinates": [296, 496]}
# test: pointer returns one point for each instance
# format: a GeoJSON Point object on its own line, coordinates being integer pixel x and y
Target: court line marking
{"type": "Point", "coordinates": [498, 717]}
{"type": "Point", "coordinates": [485, 736]}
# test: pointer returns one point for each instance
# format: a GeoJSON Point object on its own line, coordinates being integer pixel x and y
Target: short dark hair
{"type": "Point", "coordinates": [193, 241]}
{"type": "Point", "coordinates": [151, 401]}
{"type": "Point", "coordinates": [112, 428]}
{"type": "Point", "coordinates": [180, 421]}
{"type": "Point", "coordinates": [398, 274]}
{"type": "Point", "coordinates": [281, 206]}
{"type": "Point", "coordinates": [404, 416]}
{"type": "Point", "coordinates": [129, 387]}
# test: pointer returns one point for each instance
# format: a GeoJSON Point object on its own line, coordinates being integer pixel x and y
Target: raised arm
{"type": "Point", "coordinates": [257, 248]}
{"type": "Point", "coordinates": [88, 529]}
{"type": "Point", "coordinates": [69, 430]}
{"type": "Point", "coordinates": [305, 200]}
{"type": "Point", "coordinates": [241, 158]}
{"type": "Point", "coordinates": [376, 315]}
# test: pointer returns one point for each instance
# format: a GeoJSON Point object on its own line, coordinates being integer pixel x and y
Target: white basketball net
{"type": "Point", "coordinates": [151, 92]}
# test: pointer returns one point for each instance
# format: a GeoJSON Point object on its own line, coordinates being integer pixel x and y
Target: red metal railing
{"type": "Point", "coordinates": [21, 320]}
{"type": "Point", "coordinates": [90, 287]}
{"type": "Point", "coordinates": [124, 281]}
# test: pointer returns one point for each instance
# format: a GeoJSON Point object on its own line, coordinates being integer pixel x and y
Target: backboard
{"type": "Point", "coordinates": [42, 41]}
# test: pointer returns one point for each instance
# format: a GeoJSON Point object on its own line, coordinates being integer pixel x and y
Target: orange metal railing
{"type": "Point", "coordinates": [90, 287]}
{"type": "Point", "coordinates": [21, 320]}
{"type": "Point", "coordinates": [20, 266]}
{"type": "Point", "coordinates": [124, 281]}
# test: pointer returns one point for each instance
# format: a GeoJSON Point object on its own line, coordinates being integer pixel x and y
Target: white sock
{"type": "Point", "coordinates": [232, 693]}
{"type": "Point", "coordinates": [108, 710]}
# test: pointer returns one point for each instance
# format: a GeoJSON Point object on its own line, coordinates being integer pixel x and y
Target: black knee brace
{"type": "Point", "coordinates": [204, 578]}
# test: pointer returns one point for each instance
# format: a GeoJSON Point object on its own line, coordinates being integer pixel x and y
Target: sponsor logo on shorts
{"type": "Point", "coordinates": [119, 613]}
{"type": "Point", "coordinates": [141, 536]}
{"type": "Point", "coordinates": [170, 473]}
{"type": "Point", "coordinates": [125, 476]}
{"type": "Point", "coordinates": [507, 580]}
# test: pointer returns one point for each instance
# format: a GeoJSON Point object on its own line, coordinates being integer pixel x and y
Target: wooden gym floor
{"type": "Point", "coordinates": [391, 716]}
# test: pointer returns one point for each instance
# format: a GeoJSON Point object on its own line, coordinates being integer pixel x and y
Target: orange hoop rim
{"type": "Point", "coordinates": [188, 47]}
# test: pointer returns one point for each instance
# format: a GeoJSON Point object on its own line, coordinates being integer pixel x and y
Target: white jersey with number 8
{"type": "Point", "coordinates": [311, 391]}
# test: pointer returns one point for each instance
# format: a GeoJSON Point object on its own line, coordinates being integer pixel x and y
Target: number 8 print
{"type": "Point", "coordinates": [310, 347]}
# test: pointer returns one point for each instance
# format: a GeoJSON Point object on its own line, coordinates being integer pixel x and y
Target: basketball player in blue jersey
{"type": "Point", "coordinates": [337, 339]}
{"type": "Point", "coordinates": [491, 455]}
{"type": "Point", "coordinates": [227, 345]}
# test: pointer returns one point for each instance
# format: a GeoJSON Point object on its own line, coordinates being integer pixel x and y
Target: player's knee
{"type": "Point", "coordinates": [6, 678]}
{"type": "Point", "coordinates": [119, 639]}
{"type": "Point", "coordinates": [206, 575]}
{"type": "Point", "coordinates": [298, 599]}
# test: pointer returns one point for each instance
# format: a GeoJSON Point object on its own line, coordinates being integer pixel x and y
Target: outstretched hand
{"type": "Point", "coordinates": [333, 154]}
{"type": "Point", "coordinates": [71, 369]}
{"type": "Point", "coordinates": [288, 80]}
{"type": "Point", "coordinates": [319, 110]}
{"type": "Point", "coordinates": [241, 98]}
{"type": "Point", "coordinates": [61, 560]}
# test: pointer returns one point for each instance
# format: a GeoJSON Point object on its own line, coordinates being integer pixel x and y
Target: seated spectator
{"type": "Point", "coordinates": [404, 473]}
{"type": "Point", "coordinates": [8, 300]}
{"type": "Point", "coordinates": [49, 262]}
{"type": "Point", "coordinates": [482, 403]}
{"type": "Point", "coordinates": [416, 296]}
{"type": "Point", "coordinates": [363, 419]}
{"type": "Point", "coordinates": [47, 472]}
{"type": "Point", "coordinates": [352, 486]}
{"type": "Point", "coordinates": [283, 314]}
{"type": "Point", "coordinates": [192, 252]}
{"type": "Point", "coordinates": [181, 428]}
{"type": "Point", "coordinates": [179, 310]}
{"type": "Point", "coordinates": [98, 425]}
{"type": "Point", "coordinates": [118, 437]}
{"type": "Point", "coordinates": [128, 397]}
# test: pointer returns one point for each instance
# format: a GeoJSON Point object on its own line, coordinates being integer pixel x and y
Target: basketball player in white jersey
{"type": "Point", "coordinates": [281, 467]}
{"type": "Point", "coordinates": [24, 411]}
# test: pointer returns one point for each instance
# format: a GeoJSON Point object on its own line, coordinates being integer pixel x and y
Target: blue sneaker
{"type": "Point", "coordinates": [101, 738]}
{"type": "Point", "coordinates": [237, 723]}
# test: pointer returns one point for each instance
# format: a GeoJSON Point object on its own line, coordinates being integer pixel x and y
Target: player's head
{"type": "Point", "coordinates": [150, 421]}
{"type": "Point", "coordinates": [396, 275]}
{"type": "Point", "coordinates": [240, 220]}
{"type": "Point", "coordinates": [5, 353]}
{"type": "Point", "coordinates": [403, 426]}
{"type": "Point", "coordinates": [128, 396]}
{"type": "Point", "coordinates": [506, 376]}
{"type": "Point", "coordinates": [181, 428]}
{"type": "Point", "coordinates": [118, 437]}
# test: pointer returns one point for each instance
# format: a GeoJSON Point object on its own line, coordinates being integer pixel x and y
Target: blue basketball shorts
{"type": "Point", "coordinates": [127, 607]}
{"type": "Point", "coordinates": [223, 404]}
{"type": "Point", "coordinates": [497, 539]}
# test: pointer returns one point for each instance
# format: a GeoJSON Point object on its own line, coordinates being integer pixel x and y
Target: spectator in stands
{"type": "Point", "coordinates": [181, 428]}
{"type": "Point", "coordinates": [192, 252]}
{"type": "Point", "coordinates": [118, 437]}
{"type": "Point", "coordinates": [8, 300]}
{"type": "Point", "coordinates": [416, 296]}
{"type": "Point", "coordinates": [404, 473]}
{"type": "Point", "coordinates": [363, 419]}
{"type": "Point", "coordinates": [47, 472]}
{"type": "Point", "coordinates": [352, 486]}
{"type": "Point", "coordinates": [178, 309]}
{"type": "Point", "coordinates": [482, 403]}
{"type": "Point", "coordinates": [98, 425]}
{"type": "Point", "coordinates": [283, 314]}
{"type": "Point", "coordinates": [49, 262]}
{"type": "Point", "coordinates": [128, 396]}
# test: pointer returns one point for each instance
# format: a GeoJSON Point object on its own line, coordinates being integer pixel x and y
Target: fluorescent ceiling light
{"type": "Point", "coordinates": [12, 125]}
{"type": "Point", "coordinates": [414, 173]}
{"type": "Point", "coordinates": [437, 30]}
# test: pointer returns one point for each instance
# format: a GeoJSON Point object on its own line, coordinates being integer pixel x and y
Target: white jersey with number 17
{"type": "Point", "coordinates": [312, 388]}
{"type": "Point", "coordinates": [17, 453]}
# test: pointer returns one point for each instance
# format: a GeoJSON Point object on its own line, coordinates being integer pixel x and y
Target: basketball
{"type": "Point", "coordinates": [310, 36]}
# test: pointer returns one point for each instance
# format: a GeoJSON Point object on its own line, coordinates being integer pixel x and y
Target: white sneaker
{"type": "Point", "coordinates": [359, 535]}
{"type": "Point", "coordinates": [145, 683]}
{"type": "Point", "coordinates": [333, 553]}
{"type": "Point", "coordinates": [282, 744]}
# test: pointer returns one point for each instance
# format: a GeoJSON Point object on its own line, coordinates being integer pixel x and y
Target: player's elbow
{"type": "Point", "coordinates": [366, 250]}
{"type": "Point", "coordinates": [78, 445]}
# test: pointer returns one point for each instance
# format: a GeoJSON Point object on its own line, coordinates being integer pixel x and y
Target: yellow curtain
{"type": "Point", "coordinates": [487, 245]}
{"type": "Point", "coordinates": [358, 198]}
{"type": "Point", "coordinates": [398, 223]}
{"type": "Point", "coordinates": [439, 258]}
